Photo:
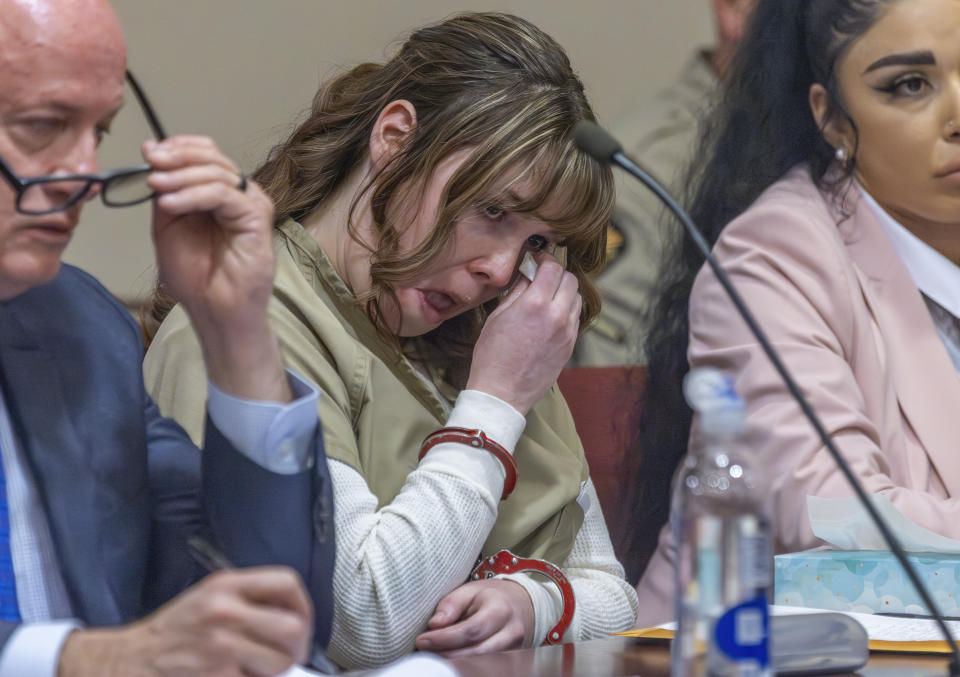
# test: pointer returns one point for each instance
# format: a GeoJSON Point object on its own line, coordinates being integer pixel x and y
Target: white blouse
{"type": "Point", "coordinates": [936, 276]}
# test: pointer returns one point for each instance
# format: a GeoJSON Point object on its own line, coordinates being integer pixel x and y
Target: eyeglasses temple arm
{"type": "Point", "coordinates": [152, 118]}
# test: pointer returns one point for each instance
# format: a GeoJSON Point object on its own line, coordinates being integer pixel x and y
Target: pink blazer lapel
{"type": "Point", "coordinates": [926, 383]}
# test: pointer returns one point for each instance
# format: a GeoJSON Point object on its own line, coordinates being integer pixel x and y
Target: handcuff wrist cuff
{"type": "Point", "coordinates": [505, 562]}
{"type": "Point", "coordinates": [479, 440]}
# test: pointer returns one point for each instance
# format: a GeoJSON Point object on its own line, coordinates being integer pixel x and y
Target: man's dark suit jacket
{"type": "Point", "coordinates": [121, 485]}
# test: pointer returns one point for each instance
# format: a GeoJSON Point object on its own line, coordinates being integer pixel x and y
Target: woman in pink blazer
{"type": "Point", "coordinates": [831, 189]}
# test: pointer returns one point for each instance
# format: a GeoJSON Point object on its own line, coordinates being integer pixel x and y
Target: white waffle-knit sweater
{"type": "Point", "coordinates": [395, 564]}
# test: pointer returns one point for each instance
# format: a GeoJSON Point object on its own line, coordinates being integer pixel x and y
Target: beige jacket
{"type": "Point", "coordinates": [841, 308]}
{"type": "Point", "coordinates": [371, 394]}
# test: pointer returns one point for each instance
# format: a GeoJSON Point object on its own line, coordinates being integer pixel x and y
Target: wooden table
{"type": "Point", "coordinates": [622, 657]}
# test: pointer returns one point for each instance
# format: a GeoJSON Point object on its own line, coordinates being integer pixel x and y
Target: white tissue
{"type": "Point", "coordinates": [845, 524]}
{"type": "Point", "coordinates": [528, 267]}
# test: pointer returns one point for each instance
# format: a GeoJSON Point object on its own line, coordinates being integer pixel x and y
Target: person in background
{"type": "Point", "coordinates": [406, 202]}
{"type": "Point", "coordinates": [830, 190]}
{"type": "Point", "coordinates": [660, 132]}
{"type": "Point", "coordinates": [97, 490]}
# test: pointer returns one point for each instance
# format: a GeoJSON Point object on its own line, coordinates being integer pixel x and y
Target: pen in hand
{"type": "Point", "coordinates": [207, 555]}
{"type": "Point", "coordinates": [211, 558]}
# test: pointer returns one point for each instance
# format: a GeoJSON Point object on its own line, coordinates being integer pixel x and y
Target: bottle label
{"type": "Point", "coordinates": [742, 634]}
{"type": "Point", "coordinates": [755, 557]}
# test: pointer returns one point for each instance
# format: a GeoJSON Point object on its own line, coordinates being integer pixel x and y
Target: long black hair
{"type": "Point", "coordinates": [760, 129]}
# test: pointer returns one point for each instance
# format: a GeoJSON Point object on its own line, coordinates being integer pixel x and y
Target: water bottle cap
{"type": "Point", "coordinates": [708, 388]}
{"type": "Point", "coordinates": [710, 393]}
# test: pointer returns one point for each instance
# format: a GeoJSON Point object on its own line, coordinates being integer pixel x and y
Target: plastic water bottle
{"type": "Point", "coordinates": [724, 565]}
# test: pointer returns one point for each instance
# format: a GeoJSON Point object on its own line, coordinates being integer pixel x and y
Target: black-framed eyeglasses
{"type": "Point", "coordinates": [118, 187]}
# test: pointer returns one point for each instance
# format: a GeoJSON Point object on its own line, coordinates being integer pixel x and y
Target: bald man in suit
{"type": "Point", "coordinates": [99, 491]}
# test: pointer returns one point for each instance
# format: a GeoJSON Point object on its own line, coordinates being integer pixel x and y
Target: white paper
{"type": "Point", "coordinates": [896, 629]}
{"type": "Point", "coordinates": [884, 628]}
{"type": "Point", "coordinates": [418, 665]}
{"type": "Point", "coordinates": [881, 628]}
{"type": "Point", "coordinates": [845, 524]}
{"type": "Point", "coordinates": [299, 671]}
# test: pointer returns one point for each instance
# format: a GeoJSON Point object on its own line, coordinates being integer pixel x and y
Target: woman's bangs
{"type": "Point", "coordinates": [561, 186]}
{"type": "Point", "coordinates": [577, 195]}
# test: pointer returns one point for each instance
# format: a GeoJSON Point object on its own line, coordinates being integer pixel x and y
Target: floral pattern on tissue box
{"type": "Point", "coordinates": [865, 581]}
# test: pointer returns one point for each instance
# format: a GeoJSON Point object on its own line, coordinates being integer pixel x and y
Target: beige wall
{"type": "Point", "coordinates": [242, 70]}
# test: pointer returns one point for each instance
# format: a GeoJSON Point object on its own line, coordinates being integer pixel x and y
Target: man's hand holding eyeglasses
{"type": "Point", "coordinates": [213, 232]}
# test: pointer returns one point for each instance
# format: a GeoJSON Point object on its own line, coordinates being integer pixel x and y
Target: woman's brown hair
{"type": "Point", "coordinates": [491, 83]}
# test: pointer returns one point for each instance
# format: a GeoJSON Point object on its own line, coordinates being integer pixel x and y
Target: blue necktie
{"type": "Point", "coordinates": [9, 609]}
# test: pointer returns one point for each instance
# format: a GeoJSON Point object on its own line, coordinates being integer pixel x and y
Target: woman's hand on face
{"type": "Point", "coordinates": [528, 339]}
{"type": "Point", "coordinates": [480, 617]}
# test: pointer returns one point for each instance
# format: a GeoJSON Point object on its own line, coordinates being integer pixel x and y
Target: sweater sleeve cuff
{"type": "Point", "coordinates": [501, 422]}
{"type": "Point", "coordinates": [547, 608]}
{"type": "Point", "coordinates": [34, 649]}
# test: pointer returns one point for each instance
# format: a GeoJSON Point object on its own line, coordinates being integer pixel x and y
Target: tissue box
{"type": "Point", "coordinates": [867, 581]}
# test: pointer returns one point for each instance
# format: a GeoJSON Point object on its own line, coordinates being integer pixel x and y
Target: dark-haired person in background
{"type": "Point", "coordinates": [831, 189]}
{"type": "Point", "coordinates": [406, 202]}
{"type": "Point", "coordinates": [660, 132]}
{"type": "Point", "coordinates": [97, 490]}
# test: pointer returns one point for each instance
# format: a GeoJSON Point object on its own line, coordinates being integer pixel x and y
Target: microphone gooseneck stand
{"type": "Point", "coordinates": [599, 144]}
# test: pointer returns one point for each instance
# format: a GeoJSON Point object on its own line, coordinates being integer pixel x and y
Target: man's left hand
{"type": "Point", "coordinates": [214, 246]}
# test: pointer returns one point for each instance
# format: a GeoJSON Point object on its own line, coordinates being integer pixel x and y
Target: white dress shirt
{"type": "Point", "coordinates": [936, 276]}
{"type": "Point", "coordinates": [274, 435]}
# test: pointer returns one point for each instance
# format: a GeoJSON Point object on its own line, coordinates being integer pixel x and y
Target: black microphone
{"type": "Point", "coordinates": [599, 144]}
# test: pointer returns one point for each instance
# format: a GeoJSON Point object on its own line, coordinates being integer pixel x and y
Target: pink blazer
{"type": "Point", "coordinates": [840, 307]}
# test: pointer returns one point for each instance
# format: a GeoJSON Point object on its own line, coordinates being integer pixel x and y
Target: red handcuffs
{"type": "Point", "coordinates": [478, 439]}
{"type": "Point", "coordinates": [505, 562]}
